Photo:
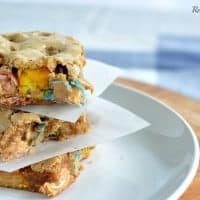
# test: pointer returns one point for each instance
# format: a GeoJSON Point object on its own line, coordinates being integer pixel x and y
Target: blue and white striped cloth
{"type": "Point", "coordinates": [175, 64]}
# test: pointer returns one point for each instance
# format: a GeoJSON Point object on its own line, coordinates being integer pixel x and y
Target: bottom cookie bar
{"type": "Point", "coordinates": [49, 177]}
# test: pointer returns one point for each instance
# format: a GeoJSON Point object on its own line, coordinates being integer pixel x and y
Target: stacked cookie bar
{"type": "Point", "coordinates": [40, 68]}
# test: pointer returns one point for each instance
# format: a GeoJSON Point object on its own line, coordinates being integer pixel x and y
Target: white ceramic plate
{"type": "Point", "coordinates": [157, 163]}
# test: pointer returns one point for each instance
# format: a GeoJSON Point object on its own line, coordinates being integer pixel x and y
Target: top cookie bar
{"type": "Point", "coordinates": [40, 68]}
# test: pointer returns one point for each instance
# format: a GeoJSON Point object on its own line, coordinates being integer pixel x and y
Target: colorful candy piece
{"type": "Point", "coordinates": [48, 95]}
{"type": "Point", "coordinates": [71, 91]}
{"type": "Point", "coordinates": [33, 81]}
{"type": "Point", "coordinates": [8, 83]}
{"type": "Point", "coordinates": [77, 84]}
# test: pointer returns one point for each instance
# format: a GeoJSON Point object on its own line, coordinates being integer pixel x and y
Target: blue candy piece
{"type": "Point", "coordinates": [68, 86]}
{"type": "Point", "coordinates": [48, 95]}
{"type": "Point", "coordinates": [77, 156]}
{"type": "Point", "coordinates": [41, 126]}
{"type": "Point", "coordinates": [77, 84]}
{"type": "Point", "coordinates": [39, 130]}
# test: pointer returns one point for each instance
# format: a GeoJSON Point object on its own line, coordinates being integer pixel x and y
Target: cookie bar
{"type": "Point", "coordinates": [21, 132]}
{"type": "Point", "coordinates": [49, 177]}
{"type": "Point", "coordinates": [41, 68]}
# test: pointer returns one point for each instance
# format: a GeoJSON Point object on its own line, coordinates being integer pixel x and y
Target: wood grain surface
{"type": "Point", "coordinates": [187, 107]}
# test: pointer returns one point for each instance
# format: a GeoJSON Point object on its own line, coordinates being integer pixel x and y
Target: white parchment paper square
{"type": "Point", "coordinates": [108, 121]}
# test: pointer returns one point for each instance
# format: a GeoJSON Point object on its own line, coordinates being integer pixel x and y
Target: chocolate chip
{"type": "Point", "coordinates": [43, 118]}
{"type": "Point", "coordinates": [14, 71]}
{"type": "Point", "coordinates": [61, 69]}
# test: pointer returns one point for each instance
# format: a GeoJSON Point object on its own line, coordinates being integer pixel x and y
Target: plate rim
{"type": "Point", "coordinates": [178, 192]}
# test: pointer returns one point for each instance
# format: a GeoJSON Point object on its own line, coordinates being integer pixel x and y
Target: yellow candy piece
{"type": "Point", "coordinates": [32, 81]}
{"type": "Point", "coordinates": [86, 152]}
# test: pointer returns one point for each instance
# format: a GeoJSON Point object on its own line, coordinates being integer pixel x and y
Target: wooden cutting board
{"type": "Point", "coordinates": [187, 107]}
